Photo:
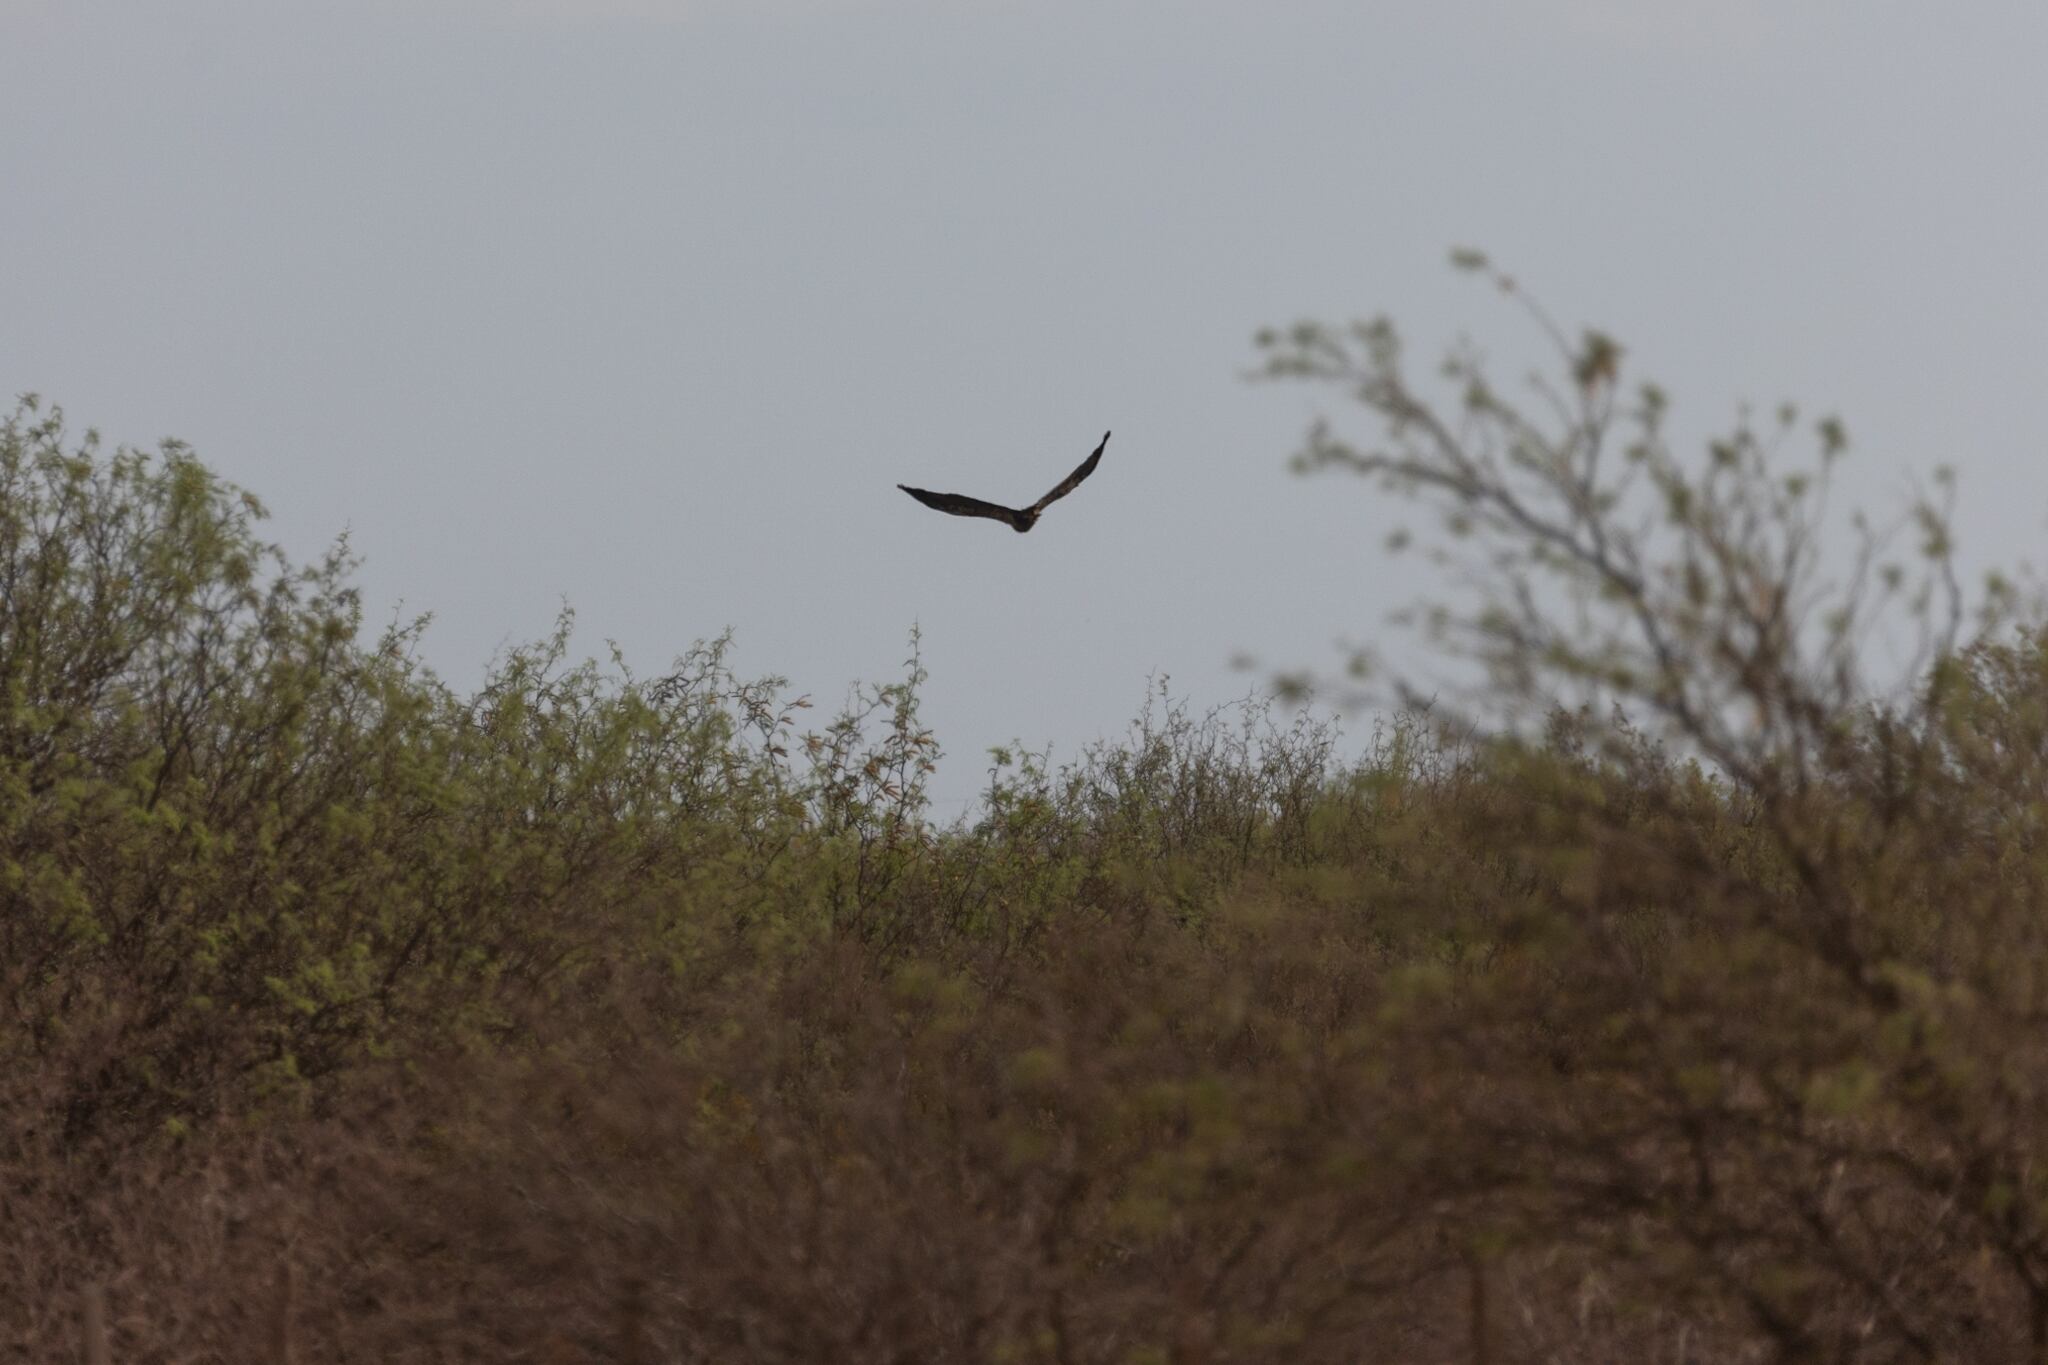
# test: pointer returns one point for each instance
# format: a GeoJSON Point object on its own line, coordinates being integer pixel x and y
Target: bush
{"type": "Point", "coordinates": [1679, 999]}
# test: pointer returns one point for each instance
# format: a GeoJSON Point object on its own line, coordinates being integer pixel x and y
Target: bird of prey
{"type": "Point", "coordinates": [1020, 518]}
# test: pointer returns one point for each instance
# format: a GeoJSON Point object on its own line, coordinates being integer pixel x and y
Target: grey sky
{"type": "Point", "coordinates": [651, 303]}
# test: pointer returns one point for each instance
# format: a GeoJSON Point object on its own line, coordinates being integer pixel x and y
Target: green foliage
{"type": "Point", "coordinates": [1788, 912]}
{"type": "Point", "coordinates": [220, 806]}
{"type": "Point", "coordinates": [1684, 999]}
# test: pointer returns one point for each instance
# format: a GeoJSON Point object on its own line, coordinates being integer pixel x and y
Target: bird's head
{"type": "Point", "coordinates": [1024, 521]}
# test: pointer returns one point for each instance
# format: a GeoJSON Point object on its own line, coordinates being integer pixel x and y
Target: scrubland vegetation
{"type": "Point", "coordinates": [1681, 998]}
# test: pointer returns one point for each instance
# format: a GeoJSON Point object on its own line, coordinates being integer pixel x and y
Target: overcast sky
{"type": "Point", "coordinates": [650, 304]}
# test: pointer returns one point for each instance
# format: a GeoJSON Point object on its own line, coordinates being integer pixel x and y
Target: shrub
{"type": "Point", "coordinates": [1674, 994]}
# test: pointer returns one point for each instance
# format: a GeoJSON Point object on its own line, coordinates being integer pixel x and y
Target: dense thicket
{"type": "Point", "coordinates": [593, 1016]}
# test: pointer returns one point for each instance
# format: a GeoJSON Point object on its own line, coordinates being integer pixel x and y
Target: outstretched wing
{"type": "Point", "coordinates": [1073, 480]}
{"type": "Point", "coordinates": [960, 505]}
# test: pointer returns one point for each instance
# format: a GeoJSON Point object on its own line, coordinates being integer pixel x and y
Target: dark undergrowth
{"type": "Point", "coordinates": [595, 1017]}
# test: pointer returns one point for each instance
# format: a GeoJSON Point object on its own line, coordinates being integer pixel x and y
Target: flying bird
{"type": "Point", "coordinates": [1021, 519]}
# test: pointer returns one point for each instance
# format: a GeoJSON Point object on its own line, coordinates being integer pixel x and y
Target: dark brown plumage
{"type": "Point", "coordinates": [1019, 518]}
